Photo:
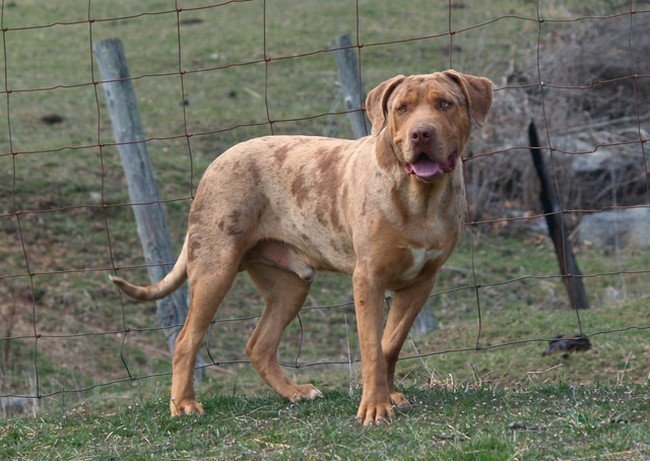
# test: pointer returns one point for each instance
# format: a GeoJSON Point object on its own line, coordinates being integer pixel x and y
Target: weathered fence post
{"type": "Point", "coordinates": [354, 97]}
{"type": "Point", "coordinates": [557, 230]}
{"type": "Point", "coordinates": [353, 94]}
{"type": "Point", "coordinates": [141, 181]}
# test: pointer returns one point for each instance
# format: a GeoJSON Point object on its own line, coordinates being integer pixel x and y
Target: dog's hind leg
{"type": "Point", "coordinates": [284, 294]}
{"type": "Point", "coordinates": [207, 290]}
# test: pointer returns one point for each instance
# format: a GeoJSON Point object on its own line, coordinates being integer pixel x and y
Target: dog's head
{"type": "Point", "coordinates": [428, 118]}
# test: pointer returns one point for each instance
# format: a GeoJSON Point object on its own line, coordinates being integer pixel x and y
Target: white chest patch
{"type": "Point", "coordinates": [420, 257]}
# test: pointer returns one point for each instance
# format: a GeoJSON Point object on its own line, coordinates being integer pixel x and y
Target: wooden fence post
{"type": "Point", "coordinates": [557, 230]}
{"type": "Point", "coordinates": [353, 94]}
{"type": "Point", "coordinates": [141, 181]}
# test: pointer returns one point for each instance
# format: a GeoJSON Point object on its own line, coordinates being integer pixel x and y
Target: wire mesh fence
{"type": "Point", "coordinates": [208, 75]}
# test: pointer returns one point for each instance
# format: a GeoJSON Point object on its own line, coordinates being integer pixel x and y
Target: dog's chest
{"type": "Point", "coordinates": [420, 256]}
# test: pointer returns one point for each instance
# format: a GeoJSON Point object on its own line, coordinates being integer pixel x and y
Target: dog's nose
{"type": "Point", "coordinates": [423, 134]}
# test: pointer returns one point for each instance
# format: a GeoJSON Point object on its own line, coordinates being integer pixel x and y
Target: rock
{"type": "Point", "coordinates": [612, 295]}
{"type": "Point", "coordinates": [617, 227]}
{"type": "Point", "coordinates": [596, 164]}
{"type": "Point", "coordinates": [566, 344]}
{"type": "Point", "coordinates": [603, 177]}
{"type": "Point", "coordinates": [425, 322]}
{"type": "Point", "coordinates": [10, 406]}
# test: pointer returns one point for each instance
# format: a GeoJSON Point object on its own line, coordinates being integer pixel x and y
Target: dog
{"type": "Point", "coordinates": [387, 209]}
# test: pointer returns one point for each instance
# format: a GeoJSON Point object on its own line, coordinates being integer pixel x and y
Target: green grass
{"type": "Point", "coordinates": [522, 310]}
{"type": "Point", "coordinates": [542, 422]}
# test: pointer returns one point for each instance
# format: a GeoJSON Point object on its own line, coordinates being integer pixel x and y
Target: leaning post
{"type": "Point", "coordinates": [141, 182]}
{"type": "Point", "coordinates": [571, 275]}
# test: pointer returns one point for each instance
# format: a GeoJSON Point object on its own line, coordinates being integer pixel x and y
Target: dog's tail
{"type": "Point", "coordinates": [171, 282]}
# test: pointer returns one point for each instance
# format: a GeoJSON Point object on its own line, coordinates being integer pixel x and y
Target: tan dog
{"type": "Point", "coordinates": [387, 209]}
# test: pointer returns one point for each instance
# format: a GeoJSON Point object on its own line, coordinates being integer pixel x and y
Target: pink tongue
{"type": "Point", "coordinates": [424, 168]}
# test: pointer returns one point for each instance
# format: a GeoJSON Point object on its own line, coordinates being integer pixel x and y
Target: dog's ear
{"type": "Point", "coordinates": [478, 92]}
{"type": "Point", "coordinates": [377, 102]}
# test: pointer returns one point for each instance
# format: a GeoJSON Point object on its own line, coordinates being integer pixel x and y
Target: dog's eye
{"type": "Point", "coordinates": [445, 104]}
{"type": "Point", "coordinates": [402, 109]}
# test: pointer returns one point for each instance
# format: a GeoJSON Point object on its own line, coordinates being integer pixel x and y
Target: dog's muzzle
{"type": "Point", "coordinates": [426, 169]}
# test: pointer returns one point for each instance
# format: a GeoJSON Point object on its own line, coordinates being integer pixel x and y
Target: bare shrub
{"type": "Point", "coordinates": [591, 110]}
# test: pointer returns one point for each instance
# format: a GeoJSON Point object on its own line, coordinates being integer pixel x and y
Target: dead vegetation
{"type": "Point", "coordinates": [591, 109]}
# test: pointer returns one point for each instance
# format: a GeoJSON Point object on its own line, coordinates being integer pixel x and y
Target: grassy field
{"type": "Point", "coordinates": [502, 401]}
{"type": "Point", "coordinates": [542, 422]}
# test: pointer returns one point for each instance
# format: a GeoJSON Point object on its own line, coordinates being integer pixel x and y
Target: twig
{"type": "Point", "coordinates": [541, 372]}
{"type": "Point", "coordinates": [254, 94]}
{"type": "Point", "coordinates": [606, 123]}
{"type": "Point", "coordinates": [621, 375]}
{"type": "Point", "coordinates": [503, 375]}
{"type": "Point", "coordinates": [347, 343]}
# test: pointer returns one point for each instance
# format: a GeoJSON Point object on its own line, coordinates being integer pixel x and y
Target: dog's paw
{"type": "Point", "coordinates": [304, 392]}
{"type": "Point", "coordinates": [374, 411]}
{"type": "Point", "coordinates": [185, 407]}
{"type": "Point", "coordinates": [398, 399]}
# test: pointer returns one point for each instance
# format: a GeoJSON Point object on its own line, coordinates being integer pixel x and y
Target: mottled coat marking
{"type": "Point", "coordinates": [388, 209]}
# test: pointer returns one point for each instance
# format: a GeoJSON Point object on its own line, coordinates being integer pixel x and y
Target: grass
{"type": "Point", "coordinates": [528, 309]}
{"type": "Point", "coordinates": [545, 422]}
{"type": "Point", "coordinates": [494, 403]}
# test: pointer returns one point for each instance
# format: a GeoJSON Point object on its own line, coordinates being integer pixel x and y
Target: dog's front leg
{"type": "Point", "coordinates": [405, 307]}
{"type": "Point", "coordinates": [375, 403]}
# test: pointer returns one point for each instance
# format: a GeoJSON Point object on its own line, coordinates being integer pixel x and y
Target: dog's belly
{"type": "Point", "coordinates": [323, 251]}
{"type": "Point", "coordinates": [302, 261]}
{"type": "Point", "coordinates": [331, 257]}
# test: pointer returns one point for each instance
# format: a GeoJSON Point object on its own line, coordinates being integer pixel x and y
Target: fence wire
{"type": "Point", "coordinates": [102, 211]}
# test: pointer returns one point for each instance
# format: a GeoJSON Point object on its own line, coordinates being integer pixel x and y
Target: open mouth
{"type": "Point", "coordinates": [425, 168]}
